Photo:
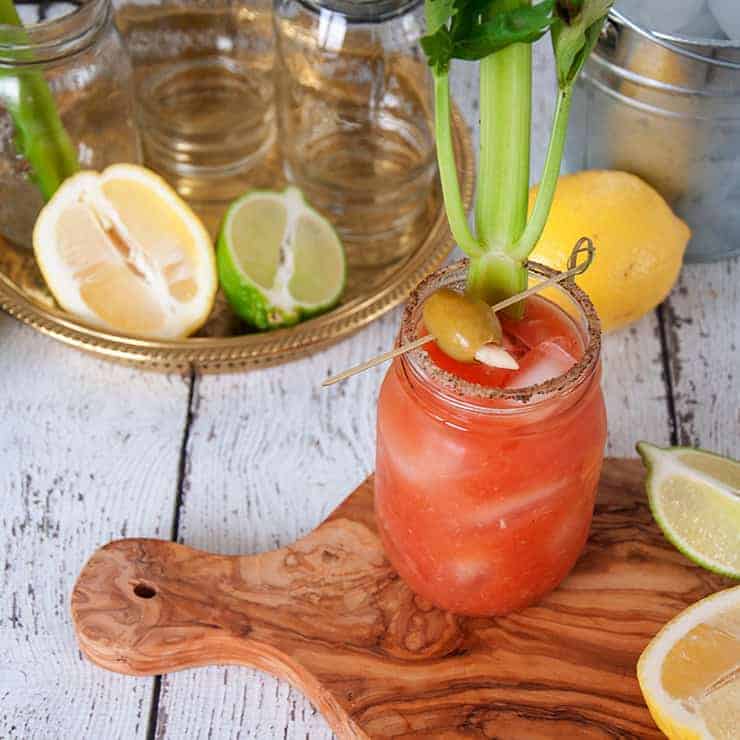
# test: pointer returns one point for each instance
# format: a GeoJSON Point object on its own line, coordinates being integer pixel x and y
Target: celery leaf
{"type": "Point", "coordinates": [437, 13]}
{"type": "Point", "coordinates": [575, 35]}
{"type": "Point", "coordinates": [520, 25]}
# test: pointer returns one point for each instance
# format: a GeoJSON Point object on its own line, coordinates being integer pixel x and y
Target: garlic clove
{"type": "Point", "coordinates": [494, 355]}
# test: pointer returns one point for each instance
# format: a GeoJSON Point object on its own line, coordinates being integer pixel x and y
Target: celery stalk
{"type": "Point", "coordinates": [40, 135]}
{"type": "Point", "coordinates": [503, 180]}
{"type": "Point", "coordinates": [549, 180]}
{"type": "Point", "coordinates": [499, 34]}
{"type": "Point", "coordinates": [495, 276]}
{"type": "Point", "coordinates": [448, 171]}
{"type": "Point", "coordinates": [505, 121]}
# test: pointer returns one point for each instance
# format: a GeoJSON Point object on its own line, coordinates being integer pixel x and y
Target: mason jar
{"type": "Point", "coordinates": [484, 495]}
{"type": "Point", "coordinates": [354, 104]}
{"type": "Point", "coordinates": [71, 69]}
{"type": "Point", "coordinates": [203, 89]}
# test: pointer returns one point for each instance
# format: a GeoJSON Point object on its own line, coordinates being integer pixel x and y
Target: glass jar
{"type": "Point", "coordinates": [355, 120]}
{"type": "Point", "coordinates": [80, 57]}
{"type": "Point", "coordinates": [204, 94]}
{"type": "Point", "coordinates": [484, 496]}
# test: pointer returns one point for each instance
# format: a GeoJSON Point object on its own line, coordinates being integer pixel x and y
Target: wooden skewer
{"type": "Point", "coordinates": [583, 245]}
{"type": "Point", "coordinates": [372, 362]}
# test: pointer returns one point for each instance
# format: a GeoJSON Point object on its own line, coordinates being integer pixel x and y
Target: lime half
{"type": "Point", "coordinates": [279, 261]}
{"type": "Point", "coordinates": [695, 498]}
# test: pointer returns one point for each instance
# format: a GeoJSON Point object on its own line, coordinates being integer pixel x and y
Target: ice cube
{"type": "Point", "coordinates": [727, 13]}
{"type": "Point", "coordinates": [530, 332]}
{"type": "Point", "coordinates": [505, 510]}
{"type": "Point", "coordinates": [514, 346]}
{"type": "Point", "coordinates": [471, 565]}
{"type": "Point", "coordinates": [664, 16]}
{"type": "Point", "coordinates": [547, 360]}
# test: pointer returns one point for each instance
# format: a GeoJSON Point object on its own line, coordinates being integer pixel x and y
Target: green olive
{"type": "Point", "coordinates": [460, 324]}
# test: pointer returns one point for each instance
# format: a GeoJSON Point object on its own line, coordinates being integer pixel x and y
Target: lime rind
{"type": "Point", "coordinates": [660, 463]}
{"type": "Point", "coordinates": [266, 308]}
{"type": "Point", "coordinates": [246, 298]}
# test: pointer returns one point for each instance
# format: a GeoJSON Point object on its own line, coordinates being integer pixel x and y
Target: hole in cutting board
{"type": "Point", "coordinates": [144, 592]}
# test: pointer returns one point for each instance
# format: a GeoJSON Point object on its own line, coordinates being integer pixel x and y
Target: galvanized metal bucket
{"type": "Point", "coordinates": [666, 108]}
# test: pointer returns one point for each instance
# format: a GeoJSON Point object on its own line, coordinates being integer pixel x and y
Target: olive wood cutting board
{"type": "Point", "coordinates": [331, 616]}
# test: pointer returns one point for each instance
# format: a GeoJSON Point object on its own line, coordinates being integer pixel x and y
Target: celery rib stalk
{"type": "Point", "coordinates": [499, 34]}
{"type": "Point", "coordinates": [39, 133]}
{"type": "Point", "coordinates": [549, 180]}
{"type": "Point", "coordinates": [447, 169]}
{"type": "Point", "coordinates": [503, 179]}
{"type": "Point", "coordinates": [505, 119]}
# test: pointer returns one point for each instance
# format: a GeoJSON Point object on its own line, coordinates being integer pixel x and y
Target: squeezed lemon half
{"type": "Point", "coordinates": [689, 674]}
{"type": "Point", "coordinates": [120, 250]}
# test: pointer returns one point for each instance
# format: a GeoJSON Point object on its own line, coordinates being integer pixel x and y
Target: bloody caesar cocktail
{"type": "Point", "coordinates": [485, 478]}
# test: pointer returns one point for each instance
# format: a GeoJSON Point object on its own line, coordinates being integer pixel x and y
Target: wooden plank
{"type": "Point", "coordinates": [269, 456]}
{"type": "Point", "coordinates": [703, 336]}
{"type": "Point", "coordinates": [88, 452]}
{"type": "Point", "coordinates": [635, 389]}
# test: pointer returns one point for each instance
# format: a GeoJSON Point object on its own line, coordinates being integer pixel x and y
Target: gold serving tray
{"type": "Point", "coordinates": [222, 344]}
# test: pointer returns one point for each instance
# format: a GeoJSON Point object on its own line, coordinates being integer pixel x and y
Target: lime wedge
{"type": "Point", "coordinates": [279, 261]}
{"type": "Point", "coordinates": [695, 498]}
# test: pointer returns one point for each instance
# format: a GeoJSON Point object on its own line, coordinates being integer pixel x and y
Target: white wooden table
{"type": "Point", "coordinates": [91, 451]}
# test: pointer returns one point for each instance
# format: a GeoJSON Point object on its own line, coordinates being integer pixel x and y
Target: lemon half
{"type": "Point", "coordinates": [120, 250]}
{"type": "Point", "coordinates": [689, 674]}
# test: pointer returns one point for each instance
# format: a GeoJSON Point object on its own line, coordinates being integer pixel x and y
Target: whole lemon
{"type": "Point", "coordinates": [639, 241]}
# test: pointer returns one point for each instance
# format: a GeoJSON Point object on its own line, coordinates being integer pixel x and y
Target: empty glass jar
{"type": "Point", "coordinates": [355, 119]}
{"type": "Point", "coordinates": [77, 57]}
{"type": "Point", "coordinates": [204, 93]}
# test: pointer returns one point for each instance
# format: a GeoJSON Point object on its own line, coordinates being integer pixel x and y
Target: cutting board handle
{"type": "Point", "coordinates": [144, 606]}
{"type": "Point", "coordinates": [304, 613]}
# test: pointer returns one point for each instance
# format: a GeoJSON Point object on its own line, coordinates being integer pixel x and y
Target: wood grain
{"type": "Point", "coordinates": [703, 338]}
{"type": "Point", "coordinates": [74, 434]}
{"type": "Point", "coordinates": [635, 391]}
{"type": "Point", "coordinates": [330, 615]}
